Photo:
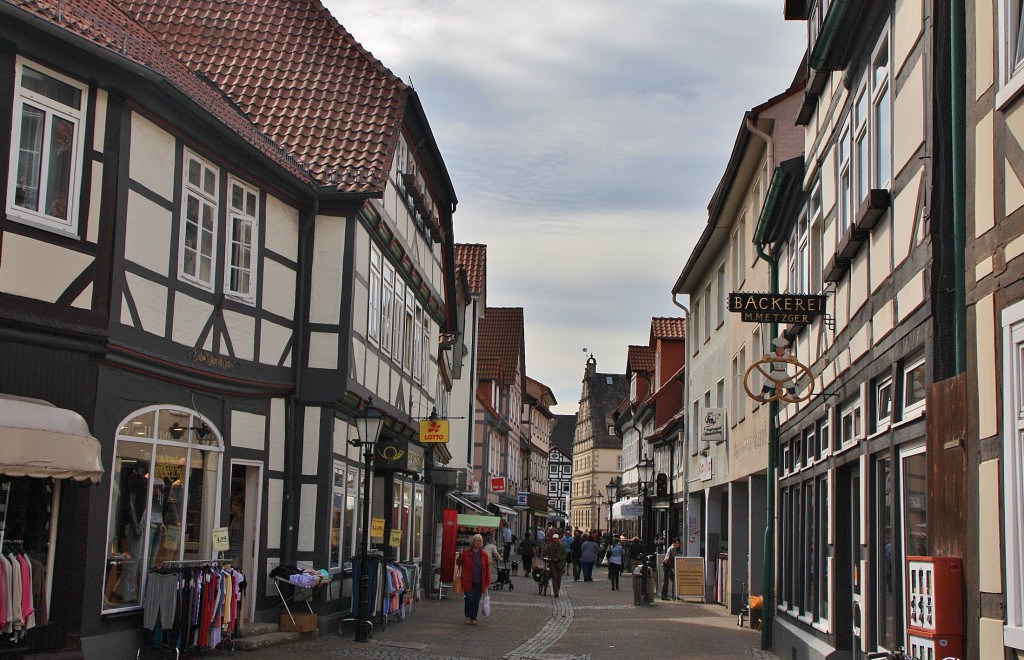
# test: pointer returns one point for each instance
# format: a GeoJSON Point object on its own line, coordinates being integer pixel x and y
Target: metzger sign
{"type": "Point", "coordinates": [776, 307]}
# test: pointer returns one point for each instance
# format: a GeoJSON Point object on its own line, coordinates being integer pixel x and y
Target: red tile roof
{"type": "Point", "coordinates": [472, 258]}
{"type": "Point", "coordinates": [103, 23]}
{"type": "Point", "coordinates": [668, 328]}
{"type": "Point", "coordinates": [297, 74]}
{"type": "Point", "coordinates": [640, 359]}
{"type": "Point", "coordinates": [501, 340]}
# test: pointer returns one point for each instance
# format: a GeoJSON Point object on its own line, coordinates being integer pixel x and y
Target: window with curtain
{"type": "Point", "coordinates": [165, 479]}
{"type": "Point", "coordinates": [47, 144]}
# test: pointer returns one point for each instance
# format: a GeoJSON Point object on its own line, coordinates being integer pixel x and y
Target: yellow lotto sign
{"type": "Point", "coordinates": [433, 430]}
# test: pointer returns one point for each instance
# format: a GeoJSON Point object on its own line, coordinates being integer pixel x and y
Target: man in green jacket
{"type": "Point", "coordinates": [555, 551]}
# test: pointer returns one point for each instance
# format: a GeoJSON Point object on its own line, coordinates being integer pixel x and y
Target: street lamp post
{"type": "Point", "coordinates": [645, 472]}
{"type": "Point", "coordinates": [599, 496]}
{"type": "Point", "coordinates": [368, 426]}
{"type": "Point", "coordinates": [613, 491]}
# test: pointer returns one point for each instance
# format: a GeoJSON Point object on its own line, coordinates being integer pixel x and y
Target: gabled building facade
{"type": "Point", "coordinates": [532, 501]}
{"type": "Point", "coordinates": [559, 480]}
{"type": "Point", "coordinates": [224, 293]}
{"type": "Point", "coordinates": [596, 450]}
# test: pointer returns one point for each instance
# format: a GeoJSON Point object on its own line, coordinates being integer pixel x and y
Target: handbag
{"type": "Point", "coordinates": [457, 580]}
{"type": "Point", "coordinates": [485, 604]}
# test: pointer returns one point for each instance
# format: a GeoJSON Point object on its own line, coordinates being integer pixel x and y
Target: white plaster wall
{"type": "Point", "coordinates": [984, 175]}
{"type": "Point", "coordinates": [328, 258]}
{"type": "Point", "coordinates": [1013, 249]}
{"type": "Point", "coordinates": [275, 457]}
{"type": "Point", "coordinates": [882, 321]}
{"type": "Point", "coordinates": [310, 440]}
{"type": "Point", "coordinates": [908, 119]}
{"type": "Point", "coordinates": [241, 329]}
{"type": "Point", "coordinates": [1013, 191]}
{"type": "Point", "coordinates": [985, 347]}
{"type": "Point", "coordinates": [307, 518]}
{"type": "Point", "coordinates": [248, 430]}
{"type": "Point", "coordinates": [910, 297]}
{"type": "Point", "coordinates": [275, 505]}
{"type": "Point", "coordinates": [909, 17]}
{"type": "Point", "coordinates": [37, 269]}
{"type": "Point", "coordinates": [99, 132]}
{"type": "Point", "coordinates": [860, 283]}
{"type": "Point", "coordinates": [984, 47]}
{"type": "Point", "coordinates": [881, 252]}
{"type": "Point", "coordinates": [278, 289]}
{"type": "Point", "coordinates": [190, 316]}
{"type": "Point", "coordinates": [147, 239]}
{"type": "Point", "coordinates": [151, 161]}
{"type": "Point", "coordinates": [904, 206]}
{"type": "Point", "coordinates": [150, 301]}
{"type": "Point", "coordinates": [273, 340]}
{"type": "Point", "coordinates": [95, 203]}
{"type": "Point", "coordinates": [84, 299]}
{"type": "Point", "coordinates": [282, 229]}
{"type": "Point", "coordinates": [990, 574]}
{"type": "Point", "coordinates": [323, 350]}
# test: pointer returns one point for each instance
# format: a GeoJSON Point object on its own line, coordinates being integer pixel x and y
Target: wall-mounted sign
{"type": "Point", "coordinates": [522, 499]}
{"type": "Point", "coordinates": [396, 538]}
{"type": "Point", "coordinates": [713, 425]}
{"type": "Point", "coordinates": [433, 430]}
{"type": "Point", "coordinates": [776, 307]}
{"type": "Point", "coordinates": [497, 484]}
{"type": "Point", "coordinates": [707, 469]}
{"type": "Point", "coordinates": [398, 454]}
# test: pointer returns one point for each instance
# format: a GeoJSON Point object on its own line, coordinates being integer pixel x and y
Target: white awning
{"type": "Point", "coordinates": [472, 506]}
{"type": "Point", "coordinates": [506, 510]}
{"type": "Point", "coordinates": [38, 439]}
{"type": "Point", "coordinates": [627, 509]}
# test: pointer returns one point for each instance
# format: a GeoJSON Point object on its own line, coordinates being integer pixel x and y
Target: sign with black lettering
{"type": "Point", "coordinates": [776, 307]}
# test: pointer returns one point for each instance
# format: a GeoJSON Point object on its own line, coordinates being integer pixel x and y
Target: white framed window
{"type": "Point", "coordinates": [817, 238]}
{"type": "Point", "coordinates": [243, 231]}
{"type": "Point", "coordinates": [47, 148]}
{"type": "Point", "coordinates": [739, 266]}
{"type": "Point", "coordinates": [410, 330]}
{"type": "Point", "coordinates": [914, 388]}
{"type": "Point", "coordinates": [197, 257]}
{"type": "Point", "coordinates": [696, 325]}
{"type": "Point", "coordinates": [723, 293]}
{"type": "Point", "coordinates": [821, 556]}
{"type": "Point", "coordinates": [373, 306]}
{"type": "Point", "coordinates": [1013, 472]}
{"type": "Point", "coordinates": [419, 343]}
{"type": "Point", "coordinates": [844, 179]}
{"type": "Point", "coordinates": [387, 302]}
{"type": "Point", "coordinates": [850, 423]}
{"type": "Point", "coordinates": [883, 403]}
{"type": "Point", "coordinates": [398, 319]}
{"type": "Point", "coordinates": [824, 435]}
{"type": "Point", "coordinates": [881, 116]}
{"type": "Point", "coordinates": [810, 445]}
{"type": "Point", "coordinates": [861, 145]}
{"type": "Point", "coordinates": [1011, 50]}
{"type": "Point", "coordinates": [707, 312]}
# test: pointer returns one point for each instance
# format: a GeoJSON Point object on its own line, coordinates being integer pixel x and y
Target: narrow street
{"type": "Point", "coordinates": [588, 620]}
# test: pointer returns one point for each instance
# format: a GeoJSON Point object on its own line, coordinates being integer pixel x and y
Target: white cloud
{"type": "Point", "coordinates": [584, 139]}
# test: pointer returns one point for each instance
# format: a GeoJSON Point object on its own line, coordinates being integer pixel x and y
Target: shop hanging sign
{"type": "Point", "coordinates": [497, 484]}
{"type": "Point", "coordinates": [713, 425]}
{"type": "Point", "coordinates": [433, 430]}
{"type": "Point", "coordinates": [522, 499]}
{"type": "Point", "coordinates": [220, 539]}
{"type": "Point", "coordinates": [707, 471]}
{"type": "Point", "coordinates": [399, 455]}
{"type": "Point", "coordinates": [776, 307]}
{"type": "Point", "coordinates": [396, 538]}
{"type": "Point", "coordinates": [377, 529]}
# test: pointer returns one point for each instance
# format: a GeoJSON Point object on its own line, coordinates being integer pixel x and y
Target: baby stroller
{"type": "Point", "coordinates": [503, 578]}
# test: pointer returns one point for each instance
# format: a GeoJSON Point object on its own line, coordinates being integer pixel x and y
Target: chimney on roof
{"type": "Point", "coordinates": [591, 366]}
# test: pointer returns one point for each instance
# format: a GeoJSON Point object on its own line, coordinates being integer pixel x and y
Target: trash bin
{"type": "Point", "coordinates": [643, 587]}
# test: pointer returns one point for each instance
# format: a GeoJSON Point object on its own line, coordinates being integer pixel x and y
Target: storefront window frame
{"type": "Point", "coordinates": [190, 441]}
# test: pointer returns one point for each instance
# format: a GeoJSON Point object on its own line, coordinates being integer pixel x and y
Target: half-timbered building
{"type": "Point", "coordinates": [217, 256]}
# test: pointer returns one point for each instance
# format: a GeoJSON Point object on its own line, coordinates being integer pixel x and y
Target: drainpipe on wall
{"type": "Point", "coordinates": [958, 112]}
{"type": "Point", "coordinates": [687, 423]}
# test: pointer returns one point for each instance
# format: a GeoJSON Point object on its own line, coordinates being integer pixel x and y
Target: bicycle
{"type": "Point", "coordinates": [543, 576]}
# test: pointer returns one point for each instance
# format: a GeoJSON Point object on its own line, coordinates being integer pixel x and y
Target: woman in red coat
{"type": "Point", "coordinates": [476, 573]}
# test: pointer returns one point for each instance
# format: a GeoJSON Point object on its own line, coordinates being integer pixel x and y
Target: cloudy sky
{"type": "Point", "coordinates": [585, 139]}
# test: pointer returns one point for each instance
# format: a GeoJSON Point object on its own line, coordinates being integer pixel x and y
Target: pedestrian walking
{"type": "Point", "coordinates": [555, 552]}
{"type": "Point", "coordinates": [615, 555]}
{"type": "Point", "coordinates": [574, 554]}
{"type": "Point", "coordinates": [476, 569]}
{"type": "Point", "coordinates": [526, 548]}
{"type": "Point", "coordinates": [588, 557]}
{"type": "Point", "coordinates": [494, 556]}
{"type": "Point", "coordinates": [669, 567]}
{"type": "Point", "coordinates": [635, 552]}
{"type": "Point", "coordinates": [507, 538]}
{"type": "Point", "coordinates": [541, 537]}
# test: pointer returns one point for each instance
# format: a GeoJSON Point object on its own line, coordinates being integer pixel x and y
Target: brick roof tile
{"type": "Point", "coordinates": [668, 328]}
{"type": "Point", "coordinates": [472, 258]}
{"type": "Point", "coordinates": [501, 340]}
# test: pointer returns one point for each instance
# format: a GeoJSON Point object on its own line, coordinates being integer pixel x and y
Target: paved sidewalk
{"type": "Point", "coordinates": [588, 621]}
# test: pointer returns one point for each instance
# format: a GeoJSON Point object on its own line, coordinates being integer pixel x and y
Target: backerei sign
{"type": "Point", "coordinates": [776, 307]}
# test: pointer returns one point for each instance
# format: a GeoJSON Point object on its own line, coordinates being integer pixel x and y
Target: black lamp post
{"type": "Point", "coordinates": [613, 491]}
{"type": "Point", "coordinates": [368, 426]}
{"type": "Point", "coordinates": [645, 473]}
{"type": "Point", "coordinates": [599, 497]}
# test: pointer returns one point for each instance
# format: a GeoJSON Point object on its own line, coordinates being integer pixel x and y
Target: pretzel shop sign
{"type": "Point", "coordinates": [776, 307]}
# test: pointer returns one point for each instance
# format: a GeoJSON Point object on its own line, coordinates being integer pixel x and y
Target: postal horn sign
{"type": "Point", "coordinates": [433, 430]}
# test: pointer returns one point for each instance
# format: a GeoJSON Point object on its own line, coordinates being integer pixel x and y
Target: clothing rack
{"type": "Point", "coordinates": [190, 563]}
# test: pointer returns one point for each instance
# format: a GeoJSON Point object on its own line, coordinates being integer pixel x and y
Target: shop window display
{"type": "Point", "coordinates": [26, 521]}
{"type": "Point", "coordinates": [162, 501]}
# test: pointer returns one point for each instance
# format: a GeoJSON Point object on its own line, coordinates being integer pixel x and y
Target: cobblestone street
{"type": "Point", "coordinates": [588, 621]}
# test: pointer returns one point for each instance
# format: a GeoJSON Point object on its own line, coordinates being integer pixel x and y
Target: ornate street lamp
{"type": "Point", "coordinates": [645, 473]}
{"type": "Point", "coordinates": [599, 496]}
{"type": "Point", "coordinates": [613, 492]}
{"type": "Point", "coordinates": [368, 425]}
